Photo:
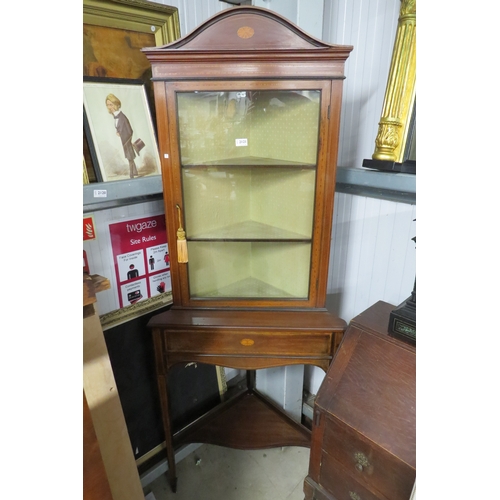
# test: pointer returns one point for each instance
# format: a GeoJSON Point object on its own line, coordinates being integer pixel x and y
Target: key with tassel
{"type": "Point", "coordinates": [182, 252]}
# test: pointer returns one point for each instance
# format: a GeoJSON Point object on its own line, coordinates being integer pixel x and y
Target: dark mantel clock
{"type": "Point", "coordinates": [402, 320]}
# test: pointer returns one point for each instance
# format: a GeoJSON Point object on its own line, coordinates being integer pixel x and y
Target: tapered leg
{"type": "Point", "coordinates": [161, 374]}
{"type": "Point", "coordinates": [172, 476]}
{"type": "Point", "coordinates": [251, 380]}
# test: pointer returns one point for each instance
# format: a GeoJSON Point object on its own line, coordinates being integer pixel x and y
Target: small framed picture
{"type": "Point", "coordinates": [119, 129]}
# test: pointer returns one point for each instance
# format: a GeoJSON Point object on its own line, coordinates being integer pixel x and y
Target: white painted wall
{"type": "Point", "coordinates": [372, 254]}
{"type": "Point", "coordinates": [370, 27]}
{"type": "Point", "coordinates": [193, 12]}
{"type": "Point", "coordinates": [308, 15]}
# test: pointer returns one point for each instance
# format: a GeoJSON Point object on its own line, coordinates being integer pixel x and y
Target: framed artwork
{"type": "Point", "coordinates": [119, 129]}
{"type": "Point", "coordinates": [114, 32]}
{"type": "Point", "coordinates": [85, 173]}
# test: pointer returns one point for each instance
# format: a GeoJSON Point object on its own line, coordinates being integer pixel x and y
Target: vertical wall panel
{"type": "Point", "coordinates": [372, 255]}
{"type": "Point", "coordinates": [310, 17]}
{"type": "Point", "coordinates": [381, 246]}
{"type": "Point", "coordinates": [286, 8]}
{"type": "Point", "coordinates": [193, 12]}
{"type": "Point", "coordinates": [370, 26]}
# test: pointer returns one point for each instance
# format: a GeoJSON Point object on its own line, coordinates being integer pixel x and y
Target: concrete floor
{"type": "Point", "coordinates": [218, 473]}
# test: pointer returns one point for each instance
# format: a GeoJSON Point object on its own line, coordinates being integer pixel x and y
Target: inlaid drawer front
{"type": "Point", "coordinates": [368, 463]}
{"type": "Point", "coordinates": [335, 479]}
{"type": "Point", "coordinates": [250, 342]}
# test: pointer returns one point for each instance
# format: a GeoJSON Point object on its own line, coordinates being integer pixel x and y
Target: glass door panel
{"type": "Point", "coordinates": [249, 203]}
{"type": "Point", "coordinates": [256, 270]}
{"type": "Point", "coordinates": [249, 127]}
{"type": "Point", "coordinates": [248, 175]}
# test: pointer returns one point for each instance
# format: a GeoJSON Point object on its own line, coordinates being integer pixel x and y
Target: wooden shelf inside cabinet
{"type": "Point", "coordinates": [250, 161]}
{"type": "Point", "coordinates": [249, 231]}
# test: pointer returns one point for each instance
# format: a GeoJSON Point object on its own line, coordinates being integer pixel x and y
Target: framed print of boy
{"type": "Point", "coordinates": [124, 131]}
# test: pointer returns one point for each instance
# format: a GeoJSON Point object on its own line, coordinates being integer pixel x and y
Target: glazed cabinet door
{"type": "Point", "coordinates": [246, 178]}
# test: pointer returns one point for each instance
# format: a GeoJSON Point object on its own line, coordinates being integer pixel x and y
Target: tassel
{"type": "Point", "coordinates": [182, 251]}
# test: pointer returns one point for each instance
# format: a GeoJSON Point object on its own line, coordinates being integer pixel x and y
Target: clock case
{"type": "Point", "coordinates": [248, 50]}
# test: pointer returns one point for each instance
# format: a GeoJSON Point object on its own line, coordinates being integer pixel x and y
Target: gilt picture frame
{"type": "Point", "coordinates": [114, 31]}
{"type": "Point", "coordinates": [119, 129]}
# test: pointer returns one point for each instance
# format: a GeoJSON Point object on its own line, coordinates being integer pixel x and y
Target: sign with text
{"type": "Point", "coordinates": [88, 228]}
{"type": "Point", "coordinates": [141, 258]}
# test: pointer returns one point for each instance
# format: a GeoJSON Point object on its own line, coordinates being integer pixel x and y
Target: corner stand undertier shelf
{"type": "Point", "coordinates": [247, 340]}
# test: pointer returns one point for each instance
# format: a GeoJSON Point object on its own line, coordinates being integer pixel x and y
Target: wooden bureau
{"type": "Point", "coordinates": [363, 438]}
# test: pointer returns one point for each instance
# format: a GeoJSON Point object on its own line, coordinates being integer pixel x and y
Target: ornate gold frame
{"type": "Point", "coordinates": [399, 101]}
{"type": "Point", "coordinates": [135, 15]}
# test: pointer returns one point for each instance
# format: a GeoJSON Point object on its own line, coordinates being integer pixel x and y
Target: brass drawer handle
{"type": "Point", "coordinates": [361, 461]}
{"type": "Point", "coordinates": [247, 342]}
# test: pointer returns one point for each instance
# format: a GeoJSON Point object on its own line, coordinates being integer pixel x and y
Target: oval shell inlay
{"type": "Point", "coordinates": [246, 32]}
{"type": "Point", "coordinates": [247, 342]}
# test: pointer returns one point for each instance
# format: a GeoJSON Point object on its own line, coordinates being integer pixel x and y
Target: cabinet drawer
{"type": "Point", "coordinates": [250, 342]}
{"type": "Point", "coordinates": [342, 485]}
{"type": "Point", "coordinates": [368, 463]}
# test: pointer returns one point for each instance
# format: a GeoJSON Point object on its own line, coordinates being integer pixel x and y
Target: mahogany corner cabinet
{"type": "Point", "coordinates": [247, 110]}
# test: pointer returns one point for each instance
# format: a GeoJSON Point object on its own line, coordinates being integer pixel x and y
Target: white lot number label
{"type": "Point", "coordinates": [100, 193]}
{"type": "Point", "coordinates": [241, 142]}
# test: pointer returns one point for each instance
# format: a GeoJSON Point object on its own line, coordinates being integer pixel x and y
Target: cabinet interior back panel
{"type": "Point", "coordinates": [221, 197]}
{"type": "Point", "coordinates": [222, 125]}
{"type": "Point", "coordinates": [242, 269]}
